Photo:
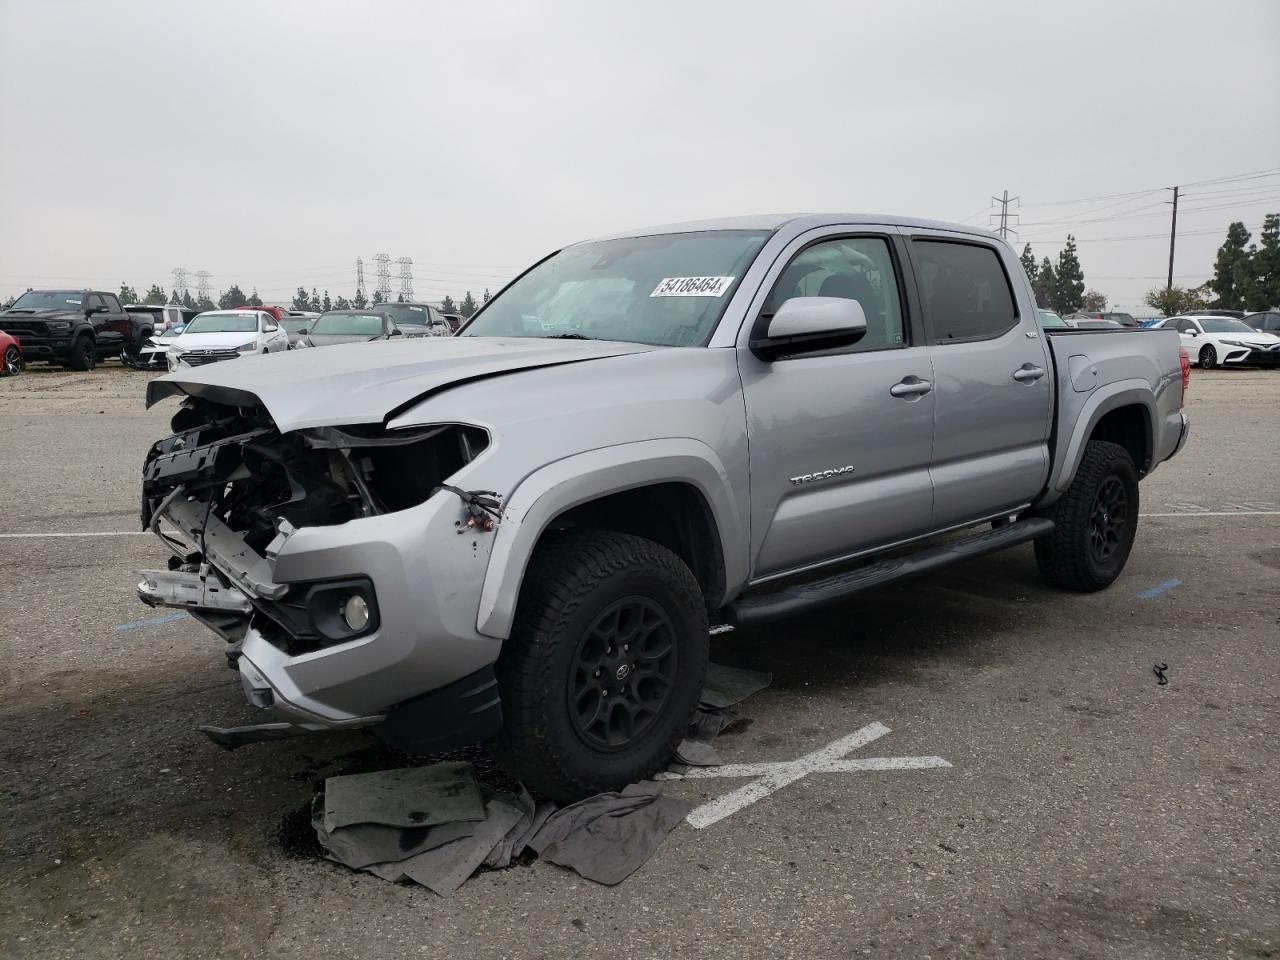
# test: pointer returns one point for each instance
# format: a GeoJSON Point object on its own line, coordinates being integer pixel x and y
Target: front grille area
{"type": "Point", "coordinates": [196, 358]}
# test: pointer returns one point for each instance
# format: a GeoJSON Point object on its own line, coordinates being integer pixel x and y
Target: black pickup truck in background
{"type": "Point", "coordinates": [75, 328]}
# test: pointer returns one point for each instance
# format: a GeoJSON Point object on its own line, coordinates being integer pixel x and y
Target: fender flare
{"type": "Point", "coordinates": [550, 491]}
{"type": "Point", "coordinates": [1122, 393]}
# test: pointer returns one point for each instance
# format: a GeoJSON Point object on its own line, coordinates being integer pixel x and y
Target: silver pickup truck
{"type": "Point", "coordinates": [521, 534]}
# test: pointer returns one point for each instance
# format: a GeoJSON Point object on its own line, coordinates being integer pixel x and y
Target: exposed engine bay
{"type": "Point", "coordinates": [235, 488]}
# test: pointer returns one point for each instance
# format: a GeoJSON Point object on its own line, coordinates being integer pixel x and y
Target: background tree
{"type": "Point", "coordinates": [1266, 264]}
{"type": "Point", "coordinates": [487, 295]}
{"type": "Point", "coordinates": [300, 300]}
{"type": "Point", "coordinates": [360, 301]}
{"type": "Point", "coordinates": [314, 303]}
{"type": "Point", "coordinates": [1093, 300]}
{"type": "Point", "coordinates": [128, 294]}
{"type": "Point", "coordinates": [1230, 267]}
{"type": "Point", "coordinates": [1029, 264]}
{"type": "Point", "coordinates": [1069, 283]}
{"type": "Point", "coordinates": [468, 305]}
{"type": "Point", "coordinates": [377, 296]}
{"type": "Point", "coordinates": [188, 301]}
{"type": "Point", "coordinates": [1045, 285]}
{"type": "Point", "coordinates": [1175, 300]}
{"type": "Point", "coordinates": [155, 296]}
{"type": "Point", "coordinates": [399, 298]}
{"type": "Point", "coordinates": [447, 305]}
{"type": "Point", "coordinates": [326, 304]}
{"type": "Point", "coordinates": [174, 298]}
{"type": "Point", "coordinates": [342, 303]}
{"type": "Point", "coordinates": [233, 297]}
{"type": "Point", "coordinates": [254, 300]}
{"type": "Point", "coordinates": [204, 303]}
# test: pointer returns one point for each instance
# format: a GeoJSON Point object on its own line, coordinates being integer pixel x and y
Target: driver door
{"type": "Point", "coordinates": [841, 440]}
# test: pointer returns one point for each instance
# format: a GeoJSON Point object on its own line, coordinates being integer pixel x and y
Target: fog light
{"type": "Point", "coordinates": [356, 613]}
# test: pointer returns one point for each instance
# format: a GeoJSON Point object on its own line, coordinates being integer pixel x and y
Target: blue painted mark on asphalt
{"type": "Point", "coordinates": [1158, 589]}
{"type": "Point", "coordinates": [149, 622]}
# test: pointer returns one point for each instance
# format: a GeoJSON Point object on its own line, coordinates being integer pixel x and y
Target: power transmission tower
{"type": "Point", "coordinates": [179, 280]}
{"type": "Point", "coordinates": [1003, 228]}
{"type": "Point", "coordinates": [383, 260]}
{"type": "Point", "coordinates": [406, 277]}
{"type": "Point", "coordinates": [359, 277]}
{"type": "Point", "coordinates": [202, 286]}
{"type": "Point", "coordinates": [1173, 235]}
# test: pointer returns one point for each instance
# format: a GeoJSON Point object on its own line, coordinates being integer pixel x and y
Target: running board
{"type": "Point", "coordinates": [813, 594]}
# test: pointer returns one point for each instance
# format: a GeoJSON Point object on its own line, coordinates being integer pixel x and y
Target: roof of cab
{"type": "Point", "coordinates": [800, 221]}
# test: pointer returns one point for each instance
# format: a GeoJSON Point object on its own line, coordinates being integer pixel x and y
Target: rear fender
{"type": "Point", "coordinates": [1097, 405]}
{"type": "Point", "coordinates": [560, 486]}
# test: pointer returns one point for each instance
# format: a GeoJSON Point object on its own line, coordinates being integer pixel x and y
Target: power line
{"type": "Point", "coordinates": [383, 273]}
{"type": "Point", "coordinates": [1004, 202]}
{"type": "Point", "coordinates": [406, 277]}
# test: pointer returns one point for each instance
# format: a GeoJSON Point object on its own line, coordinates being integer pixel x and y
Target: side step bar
{"type": "Point", "coordinates": [812, 594]}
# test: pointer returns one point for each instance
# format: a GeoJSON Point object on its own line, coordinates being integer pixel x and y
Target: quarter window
{"type": "Point", "coordinates": [851, 268]}
{"type": "Point", "coordinates": [965, 291]}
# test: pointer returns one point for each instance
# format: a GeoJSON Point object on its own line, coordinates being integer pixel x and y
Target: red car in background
{"type": "Point", "coordinates": [280, 313]}
{"type": "Point", "coordinates": [11, 359]}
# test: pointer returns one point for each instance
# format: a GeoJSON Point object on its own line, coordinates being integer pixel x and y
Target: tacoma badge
{"type": "Point", "coordinates": [821, 475]}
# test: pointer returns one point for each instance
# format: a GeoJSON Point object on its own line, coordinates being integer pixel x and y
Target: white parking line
{"type": "Point", "coordinates": [1216, 513]}
{"type": "Point", "coordinates": [95, 533]}
{"type": "Point", "coordinates": [775, 776]}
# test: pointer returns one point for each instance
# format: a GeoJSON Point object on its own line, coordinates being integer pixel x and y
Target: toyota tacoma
{"type": "Point", "coordinates": [522, 534]}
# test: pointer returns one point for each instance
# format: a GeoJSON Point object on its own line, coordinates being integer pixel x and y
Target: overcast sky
{"type": "Point", "coordinates": [272, 143]}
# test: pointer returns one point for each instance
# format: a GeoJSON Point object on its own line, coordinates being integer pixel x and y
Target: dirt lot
{"type": "Point", "coordinates": [1087, 811]}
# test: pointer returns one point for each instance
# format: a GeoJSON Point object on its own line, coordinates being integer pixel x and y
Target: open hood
{"type": "Point", "coordinates": [367, 382]}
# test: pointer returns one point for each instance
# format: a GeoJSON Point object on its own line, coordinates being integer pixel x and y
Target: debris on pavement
{"type": "Point", "coordinates": [606, 838]}
{"type": "Point", "coordinates": [1159, 670]}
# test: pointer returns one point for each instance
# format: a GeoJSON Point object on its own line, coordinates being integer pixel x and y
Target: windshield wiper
{"type": "Point", "coordinates": [569, 336]}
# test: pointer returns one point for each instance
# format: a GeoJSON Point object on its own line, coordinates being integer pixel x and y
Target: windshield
{"type": "Point", "coordinates": [49, 300]}
{"type": "Point", "coordinates": [223, 323]}
{"type": "Point", "coordinates": [171, 332]}
{"type": "Point", "coordinates": [665, 290]}
{"type": "Point", "coordinates": [1223, 325]}
{"type": "Point", "coordinates": [405, 313]}
{"type": "Point", "coordinates": [348, 325]}
{"type": "Point", "coordinates": [1051, 320]}
{"type": "Point", "coordinates": [1125, 319]}
{"type": "Point", "coordinates": [296, 324]}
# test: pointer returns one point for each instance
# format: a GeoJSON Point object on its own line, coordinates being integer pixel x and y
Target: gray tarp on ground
{"type": "Point", "coordinates": [409, 797]}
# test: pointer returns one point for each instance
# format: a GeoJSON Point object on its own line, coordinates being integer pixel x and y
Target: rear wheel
{"type": "Point", "coordinates": [1208, 357]}
{"type": "Point", "coordinates": [82, 355]}
{"type": "Point", "coordinates": [604, 666]}
{"type": "Point", "coordinates": [12, 361]}
{"type": "Point", "coordinates": [1095, 522]}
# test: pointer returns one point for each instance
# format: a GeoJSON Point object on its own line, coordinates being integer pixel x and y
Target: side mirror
{"type": "Point", "coordinates": [90, 311]}
{"type": "Point", "coordinates": [807, 324]}
{"type": "Point", "coordinates": [396, 332]}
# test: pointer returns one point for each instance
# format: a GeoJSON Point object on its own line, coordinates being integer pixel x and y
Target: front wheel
{"type": "Point", "coordinates": [12, 361]}
{"type": "Point", "coordinates": [83, 355]}
{"type": "Point", "coordinates": [1095, 522]}
{"type": "Point", "coordinates": [604, 666]}
{"type": "Point", "coordinates": [1208, 357]}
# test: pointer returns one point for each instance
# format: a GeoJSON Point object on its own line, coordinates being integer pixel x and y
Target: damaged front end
{"type": "Point", "coordinates": [227, 492]}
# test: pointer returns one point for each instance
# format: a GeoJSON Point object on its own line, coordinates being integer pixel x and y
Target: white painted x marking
{"type": "Point", "coordinates": [775, 776]}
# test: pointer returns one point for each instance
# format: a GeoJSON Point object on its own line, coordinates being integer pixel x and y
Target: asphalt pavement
{"type": "Point", "coordinates": [1085, 811]}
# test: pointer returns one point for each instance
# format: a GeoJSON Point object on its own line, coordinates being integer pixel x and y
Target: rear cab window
{"type": "Point", "coordinates": [964, 289]}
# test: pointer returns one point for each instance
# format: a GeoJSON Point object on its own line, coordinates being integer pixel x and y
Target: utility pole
{"type": "Point", "coordinates": [202, 288]}
{"type": "Point", "coordinates": [1173, 235]}
{"type": "Point", "coordinates": [406, 277]}
{"type": "Point", "coordinates": [179, 280]}
{"type": "Point", "coordinates": [1004, 202]}
{"type": "Point", "coordinates": [359, 276]}
{"type": "Point", "coordinates": [383, 260]}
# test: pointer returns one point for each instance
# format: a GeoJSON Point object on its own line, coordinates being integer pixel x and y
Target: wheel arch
{"type": "Point", "coordinates": [1123, 413]}
{"type": "Point", "coordinates": [680, 481]}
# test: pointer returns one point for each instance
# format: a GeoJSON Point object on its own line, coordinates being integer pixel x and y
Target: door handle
{"type": "Point", "coordinates": [910, 387]}
{"type": "Point", "coordinates": [1028, 372]}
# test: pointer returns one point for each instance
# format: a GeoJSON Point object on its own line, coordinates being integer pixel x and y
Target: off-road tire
{"type": "Point", "coordinates": [82, 356]}
{"type": "Point", "coordinates": [574, 580]}
{"type": "Point", "coordinates": [1067, 557]}
{"type": "Point", "coordinates": [1208, 357]}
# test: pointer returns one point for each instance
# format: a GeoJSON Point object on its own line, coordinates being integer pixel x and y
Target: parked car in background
{"type": "Point", "coordinates": [1087, 324]}
{"type": "Point", "coordinates": [1267, 321]}
{"type": "Point", "coordinates": [76, 328]}
{"type": "Point", "coordinates": [1233, 314]}
{"type": "Point", "coordinates": [162, 316]}
{"type": "Point", "coordinates": [11, 361]}
{"type": "Point", "coordinates": [1120, 319]}
{"type": "Point", "coordinates": [417, 319]}
{"type": "Point", "coordinates": [455, 321]}
{"type": "Point", "coordinates": [225, 335]}
{"type": "Point", "coordinates": [278, 313]}
{"type": "Point", "coordinates": [1213, 340]}
{"type": "Point", "coordinates": [640, 436]}
{"type": "Point", "coordinates": [296, 324]}
{"type": "Point", "coordinates": [155, 352]}
{"type": "Point", "coordinates": [1051, 321]}
{"type": "Point", "coordinates": [349, 326]}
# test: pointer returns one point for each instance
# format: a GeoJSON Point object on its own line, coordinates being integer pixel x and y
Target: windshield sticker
{"type": "Point", "coordinates": [692, 286]}
{"type": "Point", "coordinates": [76, 302]}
